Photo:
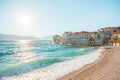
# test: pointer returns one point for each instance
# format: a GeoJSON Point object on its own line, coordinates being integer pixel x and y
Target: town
{"type": "Point", "coordinates": [103, 36]}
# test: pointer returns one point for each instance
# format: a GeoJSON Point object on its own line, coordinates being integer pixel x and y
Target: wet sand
{"type": "Point", "coordinates": [107, 67]}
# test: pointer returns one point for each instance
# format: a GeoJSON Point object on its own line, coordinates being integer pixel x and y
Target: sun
{"type": "Point", "coordinates": [23, 22]}
{"type": "Point", "coordinates": [24, 19]}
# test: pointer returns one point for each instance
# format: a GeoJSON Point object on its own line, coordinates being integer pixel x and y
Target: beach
{"type": "Point", "coordinates": [100, 64]}
{"type": "Point", "coordinates": [107, 67]}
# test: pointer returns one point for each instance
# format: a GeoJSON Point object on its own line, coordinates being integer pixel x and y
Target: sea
{"type": "Point", "coordinates": [40, 59]}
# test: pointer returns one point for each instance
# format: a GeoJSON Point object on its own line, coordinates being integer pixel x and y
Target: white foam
{"type": "Point", "coordinates": [58, 70]}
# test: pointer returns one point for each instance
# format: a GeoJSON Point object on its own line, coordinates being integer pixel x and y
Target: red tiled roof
{"type": "Point", "coordinates": [95, 32]}
{"type": "Point", "coordinates": [77, 32]}
{"type": "Point", "coordinates": [84, 32]}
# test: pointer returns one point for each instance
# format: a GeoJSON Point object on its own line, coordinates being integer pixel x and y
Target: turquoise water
{"type": "Point", "coordinates": [18, 57]}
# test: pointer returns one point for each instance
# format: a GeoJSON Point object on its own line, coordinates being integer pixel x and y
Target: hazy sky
{"type": "Point", "coordinates": [48, 17]}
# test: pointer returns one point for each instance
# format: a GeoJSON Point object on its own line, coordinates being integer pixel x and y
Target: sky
{"type": "Point", "coordinates": [41, 18]}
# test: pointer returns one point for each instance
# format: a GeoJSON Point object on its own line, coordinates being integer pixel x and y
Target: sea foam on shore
{"type": "Point", "coordinates": [60, 69]}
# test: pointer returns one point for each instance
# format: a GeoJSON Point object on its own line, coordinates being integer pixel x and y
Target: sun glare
{"type": "Point", "coordinates": [25, 19]}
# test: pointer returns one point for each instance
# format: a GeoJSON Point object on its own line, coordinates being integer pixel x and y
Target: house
{"type": "Point", "coordinates": [107, 31]}
{"type": "Point", "coordinates": [83, 38]}
{"type": "Point", "coordinates": [99, 38]}
{"type": "Point", "coordinates": [66, 38]}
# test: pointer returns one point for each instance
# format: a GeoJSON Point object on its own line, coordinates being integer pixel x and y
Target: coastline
{"type": "Point", "coordinates": [106, 67]}
{"type": "Point", "coordinates": [58, 70]}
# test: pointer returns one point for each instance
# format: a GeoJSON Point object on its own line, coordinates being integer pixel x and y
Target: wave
{"type": "Point", "coordinates": [59, 69]}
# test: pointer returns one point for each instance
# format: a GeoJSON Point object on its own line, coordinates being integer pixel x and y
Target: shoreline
{"type": "Point", "coordinates": [92, 71]}
{"type": "Point", "coordinates": [58, 70]}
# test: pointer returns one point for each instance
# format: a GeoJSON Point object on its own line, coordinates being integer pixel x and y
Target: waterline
{"type": "Point", "coordinates": [58, 70]}
{"type": "Point", "coordinates": [21, 57]}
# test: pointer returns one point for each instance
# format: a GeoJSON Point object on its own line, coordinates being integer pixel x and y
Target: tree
{"type": "Point", "coordinates": [115, 39]}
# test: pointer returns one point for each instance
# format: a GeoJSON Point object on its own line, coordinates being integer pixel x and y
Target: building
{"type": "Point", "coordinates": [66, 38]}
{"type": "Point", "coordinates": [80, 38]}
{"type": "Point", "coordinates": [107, 31]}
{"type": "Point", "coordinates": [100, 37]}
